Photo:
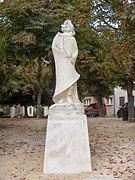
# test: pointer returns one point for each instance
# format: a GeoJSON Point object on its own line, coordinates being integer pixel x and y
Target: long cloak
{"type": "Point", "coordinates": [65, 52]}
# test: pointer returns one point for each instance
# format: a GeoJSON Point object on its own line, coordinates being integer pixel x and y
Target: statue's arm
{"type": "Point", "coordinates": [70, 48]}
{"type": "Point", "coordinates": [67, 46]}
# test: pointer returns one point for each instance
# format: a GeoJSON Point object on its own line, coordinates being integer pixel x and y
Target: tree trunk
{"type": "Point", "coordinates": [38, 105]}
{"type": "Point", "coordinates": [25, 109]}
{"type": "Point", "coordinates": [130, 101]}
{"type": "Point", "coordinates": [39, 77]}
{"type": "Point", "coordinates": [100, 106]}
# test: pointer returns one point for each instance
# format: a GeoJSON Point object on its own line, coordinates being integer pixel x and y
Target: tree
{"type": "Point", "coordinates": [118, 19]}
{"type": "Point", "coordinates": [95, 74]}
{"type": "Point", "coordinates": [30, 27]}
{"type": "Point", "coordinates": [123, 54]}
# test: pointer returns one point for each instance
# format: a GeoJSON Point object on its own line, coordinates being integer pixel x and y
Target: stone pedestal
{"type": "Point", "coordinates": [67, 143]}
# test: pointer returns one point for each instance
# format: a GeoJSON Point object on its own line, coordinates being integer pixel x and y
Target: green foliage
{"type": "Point", "coordinates": [29, 28]}
{"type": "Point", "coordinates": [32, 25]}
{"type": "Point", "coordinates": [105, 32]}
{"type": "Point", "coordinates": [117, 18]}
{"type": "Point", "coordinates": [95, 74]}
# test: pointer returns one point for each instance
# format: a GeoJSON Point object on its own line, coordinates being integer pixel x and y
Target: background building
{"type": "Point", "coordinates": [113, 103]}
{"type": "Point", "coordinates": [120, 98]}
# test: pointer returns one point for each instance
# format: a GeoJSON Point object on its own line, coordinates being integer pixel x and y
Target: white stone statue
{"type": "Point", "coordinates": [65, 52]}
{"type": "Point", "coordinates": [67, 143]}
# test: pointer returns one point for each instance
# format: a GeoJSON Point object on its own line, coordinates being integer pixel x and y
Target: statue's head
{"type": "Point", "coordinates": [67, 26]}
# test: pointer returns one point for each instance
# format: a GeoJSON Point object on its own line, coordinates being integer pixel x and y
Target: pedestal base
{"type": "Point", "coordinates": [67, 145]}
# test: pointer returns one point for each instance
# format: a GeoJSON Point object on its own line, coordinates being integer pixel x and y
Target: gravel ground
{"type": "Point", "coordinates": [22, 142]}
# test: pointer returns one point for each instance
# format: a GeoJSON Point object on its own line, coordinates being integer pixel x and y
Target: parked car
{"type": "Point", "coordinates": [123, 112]}
{"type": "Point", "coordinates": [92, 110]}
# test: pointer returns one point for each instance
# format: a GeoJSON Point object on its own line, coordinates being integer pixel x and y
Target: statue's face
{"type": "Point", "coordinates": [66, 28]}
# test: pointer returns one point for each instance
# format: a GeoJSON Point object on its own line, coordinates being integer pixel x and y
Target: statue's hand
{"type": "Point", "coordinates": [68, 55]}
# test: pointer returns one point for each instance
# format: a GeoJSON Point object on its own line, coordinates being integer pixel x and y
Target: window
{"type": "Point", "coordinates": [110, 101]}
{"type": "Point", "coordinates": [87, 102]}
{"type": "Point", "coordinates": [121, 100]}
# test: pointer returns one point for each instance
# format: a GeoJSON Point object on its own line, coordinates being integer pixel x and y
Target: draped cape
{"type": "Point", "coordinates": [65, 52]}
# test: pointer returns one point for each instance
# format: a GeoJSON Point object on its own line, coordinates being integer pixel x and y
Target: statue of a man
{"type": "Point", "coordinates": [65, 52]}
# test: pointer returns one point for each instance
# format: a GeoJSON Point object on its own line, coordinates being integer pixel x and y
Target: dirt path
{"type": "Point", "coordinates": [112, 144]}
